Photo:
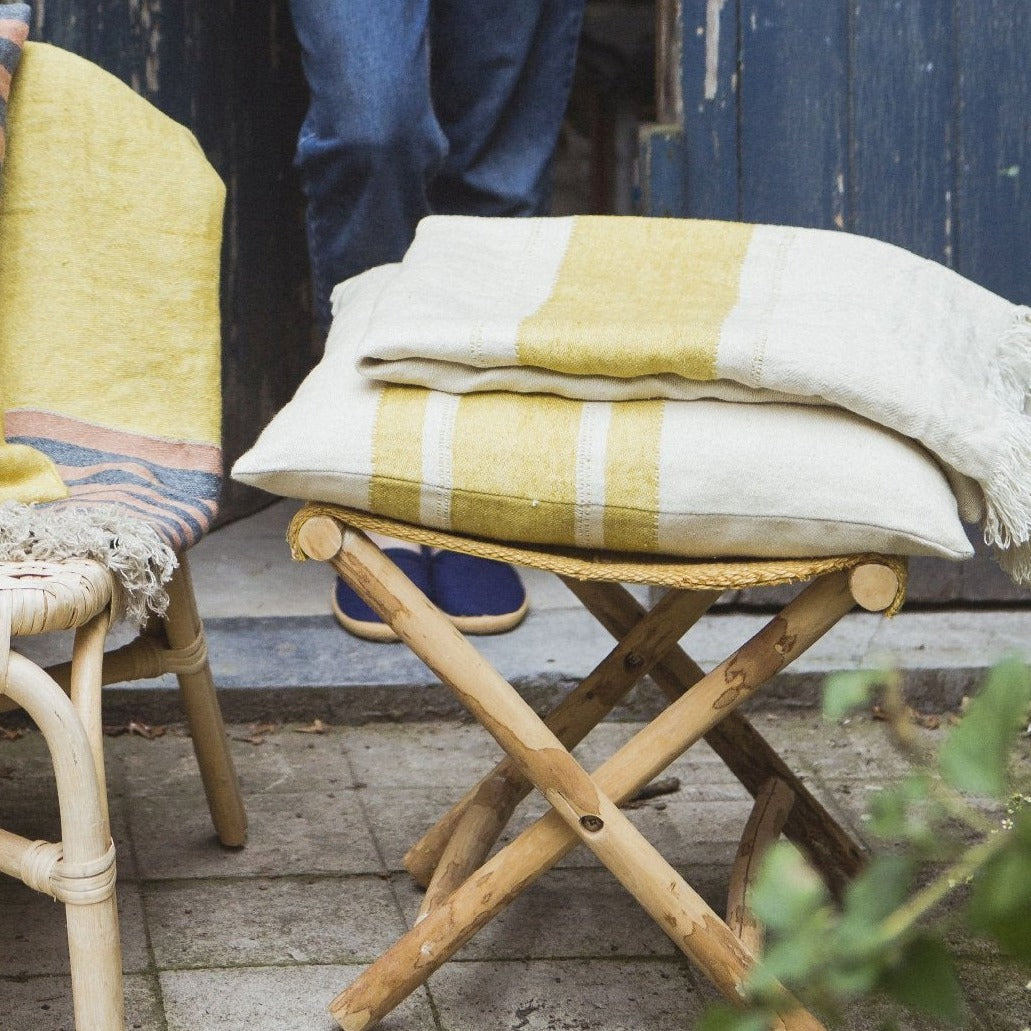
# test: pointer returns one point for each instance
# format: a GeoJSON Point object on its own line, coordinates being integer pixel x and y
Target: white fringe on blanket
{"type": "Point", "coordinates": [129, 547]}
{"type": "Point", "coordinates": [1007, 492]}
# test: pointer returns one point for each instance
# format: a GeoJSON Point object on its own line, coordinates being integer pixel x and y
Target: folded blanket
{"type": "Point", "coordinates": [610, 308]}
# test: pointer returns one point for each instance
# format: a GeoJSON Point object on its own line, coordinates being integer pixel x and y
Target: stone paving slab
{"type": "Point", "coordinates": [570, 995]}
{"type": "Point", "coordinates": [45, 1004]}
{"type": "Point", "coordinates": [270, 921]}
{"type": "Point", "coordinates": [285, 998]}
{"type": "Point", "coordinates": [310, 832]}
{"type": "Point", "coordinates": [32, 931]}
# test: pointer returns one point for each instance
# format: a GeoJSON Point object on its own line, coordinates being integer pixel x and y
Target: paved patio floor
{"type": "Point", "coordinates": [265, 936]}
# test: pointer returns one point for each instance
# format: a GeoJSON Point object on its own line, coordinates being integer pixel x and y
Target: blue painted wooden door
{"type": "Point", "coordinates": [906, 120]}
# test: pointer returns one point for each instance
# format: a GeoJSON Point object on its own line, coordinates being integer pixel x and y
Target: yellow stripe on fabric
{"type": "Point", "coordinates": [632, 476]}
{"type": "Point", "coordinates": [397, 453]}
{"type": "Point", "coordinates": [498, 452]}
{"type": "Point", "coordinates": [638, 296]}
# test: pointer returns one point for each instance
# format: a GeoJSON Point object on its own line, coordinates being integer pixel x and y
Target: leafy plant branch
{"type": "Point", "coordinates": [880, 940]}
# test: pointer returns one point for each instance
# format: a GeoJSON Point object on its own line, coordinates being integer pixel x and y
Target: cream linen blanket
{"type": "Point", "coordinates": [618, 308]}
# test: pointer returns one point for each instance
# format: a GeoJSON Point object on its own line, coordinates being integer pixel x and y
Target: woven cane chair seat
{"type": "Point", "coordinates": [48, 596]}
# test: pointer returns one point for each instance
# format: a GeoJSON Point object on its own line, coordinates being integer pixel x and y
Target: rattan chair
{"type": "Point", "coordinates": [463, 891]}
{"type": "Point", "coordinates": [88, 155]}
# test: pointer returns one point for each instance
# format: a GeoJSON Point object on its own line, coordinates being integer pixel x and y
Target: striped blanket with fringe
{"type": "Point", "coordinates": [622, 308]}
{"type": "Point", "coordinates": [110, 342]}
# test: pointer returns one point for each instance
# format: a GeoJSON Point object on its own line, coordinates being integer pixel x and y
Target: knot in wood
{"type": "Point", "coordinates": [633, 660]}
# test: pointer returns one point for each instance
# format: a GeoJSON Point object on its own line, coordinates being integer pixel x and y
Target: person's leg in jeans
{"type": "Point", "coordinates": [501, 74]}
{"type": "Point", "coordinates": [370, 142]}
{"type": "Point", "coordinates": [392, 133]}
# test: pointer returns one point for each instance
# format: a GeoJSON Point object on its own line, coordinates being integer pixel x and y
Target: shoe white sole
{"type": "Point", "coordinates": [497, 624]}
{"type": "Point", "coordinates": [369, 630]}
{"type": "Point", "coordinates": [374, 630]}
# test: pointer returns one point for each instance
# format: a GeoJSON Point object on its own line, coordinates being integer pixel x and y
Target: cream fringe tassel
{"type": "Point", "coordinates": [130, 548]}
{"type": "Point", "coordinates": [1007, 525]}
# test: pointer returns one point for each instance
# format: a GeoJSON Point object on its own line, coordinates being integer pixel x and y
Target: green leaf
{"type": "Point", "coordinates": [793, 959]}
{"type": "Point", "coordinates": [723, 1018]}
{"type": "Point", "coordinates": [1021, 830]}
{"type": "Point", "coordinates": [924, 979]}
{"type": "Point", "coordinates": [1000, 898]}
{"type": "Point", "coordinates": [906, 811]}
{"type": "Point", "coordinates": [787, 890]}
{"type": "Point", "coordinates": [975, 754]}
{"type": "Point", "coordinates": [879, 890]}
{"type": "Point", "coordinates": [859, 947]}
{"type": "Point", "coordinates": [853, 981]}
{"type": "Point", "coordinates": [847, 691]}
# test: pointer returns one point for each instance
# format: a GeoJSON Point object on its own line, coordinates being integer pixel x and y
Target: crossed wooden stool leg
{"type": "Point", "coordinates": [584, 808]}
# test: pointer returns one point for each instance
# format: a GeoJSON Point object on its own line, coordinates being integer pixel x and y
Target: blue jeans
{"type": "Point", "coordinates": [420, 106]}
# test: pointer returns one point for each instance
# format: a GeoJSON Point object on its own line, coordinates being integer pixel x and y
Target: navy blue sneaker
{"type": "Point", "coordinates": [356, 617]}
{"type": "Point", "coordinates": [479, 595]}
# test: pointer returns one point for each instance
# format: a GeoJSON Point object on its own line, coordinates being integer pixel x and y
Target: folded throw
{"type": "Point", "coordinates": [617, 308]}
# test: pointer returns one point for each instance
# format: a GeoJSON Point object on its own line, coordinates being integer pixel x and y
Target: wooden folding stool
{"type": "Point", "coordinates": [462, 895]}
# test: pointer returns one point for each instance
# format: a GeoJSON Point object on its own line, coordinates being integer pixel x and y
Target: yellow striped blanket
{"type": "Point", "coordinates": [692, 478]}
{"type": "Point", "coordinates": [616, 309]}
{"type": "Point", "coordinates": [110, 241]}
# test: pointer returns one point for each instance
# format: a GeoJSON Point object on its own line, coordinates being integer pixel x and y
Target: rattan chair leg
{"type": "Point", "coordinates": [176, 644]}
{"type": "Point", "coordinates": [772, 805]}
{"type": "Point", "coordinates": [578, 801]}
{"type": "Point", "coordinates": [571, 720]}
{"type": "Point", "coordinates": [85, 689]}
{"type": "Point", "coordinates": [81, 873]}
{"type": "Point", "coordinates": [203, 714]}
{"type": "Point", "coordinates": [746, 753]}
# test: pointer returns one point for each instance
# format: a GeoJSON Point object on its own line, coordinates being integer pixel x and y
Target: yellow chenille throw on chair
{"type": "Point", "coordinates": [110, 344]}
{"type": "Point", "coordinates": [86, 286]}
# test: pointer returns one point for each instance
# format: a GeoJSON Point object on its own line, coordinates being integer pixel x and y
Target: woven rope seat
{"type": "Point", "coordinates": [656, 570]}
{"type": "Point", "coordinates": [48, 596]}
